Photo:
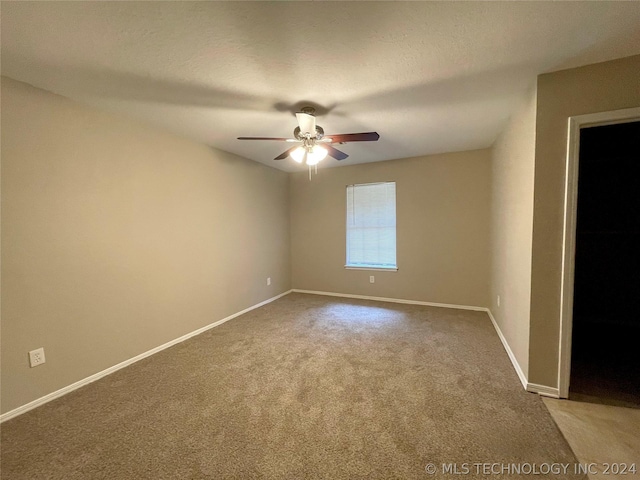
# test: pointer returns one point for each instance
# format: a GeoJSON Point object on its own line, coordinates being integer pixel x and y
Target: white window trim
{"type": "Point", "coordinates": [354, 267]}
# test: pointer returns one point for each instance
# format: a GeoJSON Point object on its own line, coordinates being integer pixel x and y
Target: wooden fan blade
{"type": "Point", "coordinates": [278, 139]}
{"type": "Point", "coordinates": [334, 152]}
{"type": "Point", "coordinates": [286, 153]}
{"type": "Point", "coordinates": [353, 137]}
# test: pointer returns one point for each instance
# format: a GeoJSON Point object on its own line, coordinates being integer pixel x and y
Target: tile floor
{"type": "Point", "coordinates": [600, 434]}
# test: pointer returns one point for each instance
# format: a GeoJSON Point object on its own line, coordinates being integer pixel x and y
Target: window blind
{"type": "Point", "coordinates": [371, 225]}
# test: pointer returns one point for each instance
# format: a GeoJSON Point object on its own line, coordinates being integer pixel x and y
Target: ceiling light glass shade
{"type": "Point", "coordinates": [316, 154]}
{"type": "Point", "coordinates": [298, 154]}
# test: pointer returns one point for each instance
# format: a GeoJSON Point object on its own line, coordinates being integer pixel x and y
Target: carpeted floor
{"type": "Point", "coordinates": [304, 387]}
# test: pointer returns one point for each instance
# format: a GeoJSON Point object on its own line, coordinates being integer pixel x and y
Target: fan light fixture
{"type": "Point", "coordinates": [315, 146]}
{"type": "Point", "coordinates": [315, 154]}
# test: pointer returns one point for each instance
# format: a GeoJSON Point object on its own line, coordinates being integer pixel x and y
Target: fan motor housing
{"type": "Point", "coordinates": [319, 133]}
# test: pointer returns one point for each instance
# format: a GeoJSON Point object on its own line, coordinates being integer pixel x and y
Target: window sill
{"type": "Point", "coordinates": [355, 267]}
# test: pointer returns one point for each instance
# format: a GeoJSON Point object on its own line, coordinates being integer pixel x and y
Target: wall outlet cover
{"type": "Point", "coordinates": [36, 357]}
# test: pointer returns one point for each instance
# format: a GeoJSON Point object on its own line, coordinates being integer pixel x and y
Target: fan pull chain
{"type": "Point", "coordinates": [315, 169]}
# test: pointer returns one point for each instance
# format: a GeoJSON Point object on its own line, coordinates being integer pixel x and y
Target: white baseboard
{"type": "Point", "coordinates": [512, 357]}
{"type": "Point", "coordinates": [392, 300]}
{"type": "Point", "coordinates": [543, 390]}
{"type": "Point", "coordinates": [85, 381]}
{"type": "Point", "coordinates": [529, 387]}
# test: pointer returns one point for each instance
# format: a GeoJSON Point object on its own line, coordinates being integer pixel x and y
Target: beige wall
{"type": "Point", "coordinates": [442, 204]}
{"type": "Point", "coordinates": [512, 166]}
{"type": "Point", "coordinates": [117, 238]}
{"type": "Point", "coordinates": [595, 88]}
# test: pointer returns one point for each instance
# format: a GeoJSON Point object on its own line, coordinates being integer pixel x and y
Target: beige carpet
{"type": "Point", "coordinates": [305, 387]}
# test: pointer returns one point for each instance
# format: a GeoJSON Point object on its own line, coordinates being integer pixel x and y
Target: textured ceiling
{"type": "Point", "coordinates": [430, 77]}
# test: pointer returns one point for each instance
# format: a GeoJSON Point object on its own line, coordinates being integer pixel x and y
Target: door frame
{"type": "Point", "coordinates": [569, 230]}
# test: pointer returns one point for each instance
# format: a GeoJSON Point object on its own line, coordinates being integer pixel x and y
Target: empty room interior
{"type": "Point", "coordinates": [320, 240]}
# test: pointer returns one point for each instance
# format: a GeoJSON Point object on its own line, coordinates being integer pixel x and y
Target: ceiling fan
{"type": "Point", "coordinates": [315, 145]}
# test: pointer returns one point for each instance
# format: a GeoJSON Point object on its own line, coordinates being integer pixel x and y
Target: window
{"type": "Point", "coordinates": [371, 226]}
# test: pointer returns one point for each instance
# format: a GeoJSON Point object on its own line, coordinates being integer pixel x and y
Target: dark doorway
{"type": "Point", "coordinates": [605, 355]}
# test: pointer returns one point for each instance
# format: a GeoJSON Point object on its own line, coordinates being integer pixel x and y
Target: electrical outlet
{"type": "Point", "coordinates": [498, 300]}
{"type": "Point", "coordinates": [372, 279]}
{"type": "Point", "coordinates": [268, 281]}
{"type": "Point", "coordinates": [36, 357]}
